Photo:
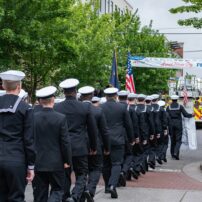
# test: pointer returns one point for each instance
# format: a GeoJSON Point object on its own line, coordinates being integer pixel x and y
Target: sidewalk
{"type": "Point", "coordinates": [175, 181]}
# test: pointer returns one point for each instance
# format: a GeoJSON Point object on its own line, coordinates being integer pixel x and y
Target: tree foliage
{"type": "Point", "coordinates": [194, 6]}
{"type": "Point", "coordinates": [51, 40]}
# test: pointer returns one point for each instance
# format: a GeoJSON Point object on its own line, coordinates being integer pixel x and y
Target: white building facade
{"type": "Point", "coordinates": [110, 6]}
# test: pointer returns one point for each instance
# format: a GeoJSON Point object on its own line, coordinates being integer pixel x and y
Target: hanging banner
{"type": "Point", "coordinates": [169, 63]}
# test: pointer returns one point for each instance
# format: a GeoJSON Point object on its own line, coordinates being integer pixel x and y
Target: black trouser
{"type": "Point", "coordinates": [42, 182]}
{"type": "Point", "coordinates": [152, 151]}
{"type": "Point", "coordinates": [112, 165]}
{"type": "Point", "coordinates": [12, 181]}
{"type": "Point", "coordinates": [128, 158]}
{"type": "Point", "coordinates": [80, 167]}
{"type": "Point", "coordinates": [176, 136]}
{"type": "Point", "coordinates": [95, 164]}
{"type": "Point", "coordinates": [159, 147]}
{"type": "Point", "coordinates": [137, 157]}
{"type": "Point", "coordinates": [164, 147]}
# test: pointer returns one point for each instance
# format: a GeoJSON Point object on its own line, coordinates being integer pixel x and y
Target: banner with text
{"type": "Point", "coordinates": [169, 63]}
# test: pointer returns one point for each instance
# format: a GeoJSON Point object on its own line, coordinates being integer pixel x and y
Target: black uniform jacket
{"type": "Point", "coordinates": [134, 119]}
{"type": "Point", "coordinates": [144, 121]}
{"type": "Point", "coordinates": [52, 140]}
{"type": "Point", "coordinates": [16, 132]}
{"type": "Point", "coordinates": [175, 110]}
{"type": "Point", "coordinates": [151, 119]}
{"type": "Point", "coordinates": [118, 121]}
{"type": "Point", "coordinates": [81, 123]}
{"type": "Point", "coordinates": [103, 132]}
{"type": "Point", "coordinates": [160, 118]}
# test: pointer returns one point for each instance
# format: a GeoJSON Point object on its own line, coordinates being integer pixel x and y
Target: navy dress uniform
{"type": "Point", "coordinates": [160, 126]}
{"type": "Point", "coordinates": [144, 122]}
{"type": "Point", "coordinates": [152, 131]}
{"type": "Point", "coordinates": [118, 119]}
{"type": "Point", "coordinates": [53, 148]}
{"type": "Point", "coordinates": [165, 139]}
{"type": "Point", "coordinates": [175, 111]}
{"type": "Point", "coordinates": [135, 149]}
{"type": "Point", "coordinates": [128, 157]}
{"type": "Point", "coordinates": [83, 134]}
{"type": "Point", "coordinates": [95, 162]}
{"type": "Point", "coordinates": [17, 154]}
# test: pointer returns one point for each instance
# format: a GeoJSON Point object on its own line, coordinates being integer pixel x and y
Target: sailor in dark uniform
{"type": "Point", "coordinates": [83, 135]}
{"type": "Point", "coordinates": [118, 120]}
{"type": "Point", "coordinates": [152, 138]}
{"type": "Point", "coordinates": [131, 108]}
{"type": "Point", "coordinates": [144, 122]}
{"type": "Point", "coordinates": [52, 146]}
{"type": "Point", "coordinates": [17, 155]}
{"type": "Point", "coordinates": [96, 101]}
{"type": "Point", "coordinates": [160, 126]}
{"type": "Point", "coordinates": [95, 162]}
{"type": "Point", "coordinates": [128, 157]}
{"type": "Point", "coordinates": [175, 111]}
{"type": "Point", "coordinates": [165, 138]}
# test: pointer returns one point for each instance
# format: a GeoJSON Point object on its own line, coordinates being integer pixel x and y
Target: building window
{"type": "Point", "coordinates": [116, 8]}
{"type": "Point", "coordinates": [100, 5]}
{"type": "Point", "coordinates": [112, 6]}
{"type": "Point", "coordinates": [105, 6]}
{"type": "Point", "coordinates": [108, 6]}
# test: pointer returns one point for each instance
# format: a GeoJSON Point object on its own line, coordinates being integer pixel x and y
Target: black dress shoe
{"type": "Point", "coordinates": [88, 196]}
{"type": "Point", "coordinates": [133, 173]}
{"type": "Point", "coordinates": [151, 165]}
{"type": "Point", "coordinates": [113, 192]}
{"type": "Point", "coordinates": [107, 191]}
{"type": "Point", "coordinates": [176, 157]}
{"type": "Point", "coordinates": [142, 170]}
{"type": "Point", "coordinates": [165, 160]}
{"type": "Point", "coordinates": [159, 161]}
{"type": "Point", "coordinates": [122, 179]}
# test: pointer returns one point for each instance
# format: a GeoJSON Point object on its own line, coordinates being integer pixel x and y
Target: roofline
{"type": "Point", "coordinates": [129, 4]}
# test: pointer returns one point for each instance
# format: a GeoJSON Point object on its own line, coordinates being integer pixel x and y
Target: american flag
{"type": "Point", "coordinates": [185, 95]}
{"type": "Point", "coordinates": [130, 86]}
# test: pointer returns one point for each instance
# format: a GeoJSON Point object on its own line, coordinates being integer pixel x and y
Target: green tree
{"type": "Point", "coordinates": [192, 6]}
{"type": "Point", "coordinates": [32, 38]}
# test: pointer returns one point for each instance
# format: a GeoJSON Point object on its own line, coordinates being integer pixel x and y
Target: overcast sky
{"type": "Point", "coordinates": [164, 21]}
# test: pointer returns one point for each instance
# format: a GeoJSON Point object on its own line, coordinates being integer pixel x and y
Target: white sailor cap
{"type": "Point", "coordinates": [123, 93]}
{"type": "Point", "coordinates": [161, 103]}
{"type": "Point", "coordinates": [95, 99]}
{"type": "Point", "coordinates": [23, 94]}
{"type": "Point", "coordinates": [103, 100]}
{"type": "Point", "coordinates": [86, 90]}
{"type": "Point", "coordinates": [12, 75]}
{"type": "Point", "coordinates": [174, 97]}
{"type": "Point", "coordinates": [2, 92]}
{"type": "Point", "coordinates": [111, 90]}
{"type": "Point", "coordinates": [132, 95]}
{"type": "Point", "coordinates": [141, 96]}
{"type": "Point", "coordinates": [46, 92]}
{"type": "Point", "coordinates": [155, 96]}
{"type": "Point", "coordinates": [69, 83]}
{"type": "Point", "coordinates": [149, 98]}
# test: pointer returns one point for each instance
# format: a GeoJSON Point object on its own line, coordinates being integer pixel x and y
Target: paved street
{"type": "Point", "coordinates": [176, 181]}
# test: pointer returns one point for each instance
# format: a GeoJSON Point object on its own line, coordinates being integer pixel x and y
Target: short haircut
{"type": "Point", "coordinates": [10, 85]}
{"type": "Point", "coordinates": [45, 101]}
